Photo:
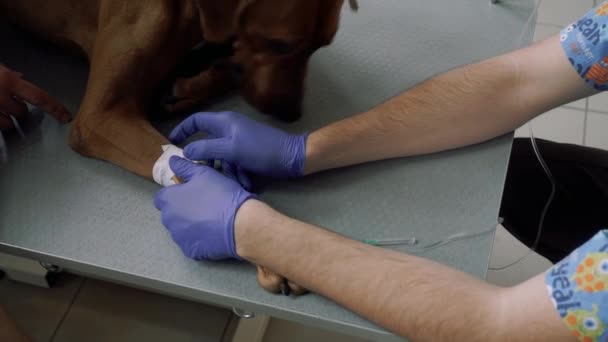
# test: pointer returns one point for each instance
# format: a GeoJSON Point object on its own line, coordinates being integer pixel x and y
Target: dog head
{"type": "Point", "coordinates": [273, 41]}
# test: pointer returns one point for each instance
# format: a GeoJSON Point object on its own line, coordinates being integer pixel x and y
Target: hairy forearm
{"type": "Point", "coordinates": [414, 297]}
{"type": "Point", "coordinates": [464, 106]}
{"type": "Point", "coordinates": [408, 295]}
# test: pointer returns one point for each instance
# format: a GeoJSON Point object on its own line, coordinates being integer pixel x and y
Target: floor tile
{"type": "Point", "coordinates": [108, 312]}
{"type": "Point", "coordinates": [508, 249]}
{"type": "Point", "coordinates": [597, 130]}
{"type": "Point", "coordinates": [38, 310]}
{"type": "Point", "coordinates": [563, 12]}
{"type": "Point", "coordinates": [279, 331]}
{"type": "Point", "coordinates": [560, 124]}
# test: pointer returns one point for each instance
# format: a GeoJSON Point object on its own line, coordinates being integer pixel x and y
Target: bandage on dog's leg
{"type": "Point", "coordinates": [161, 172]}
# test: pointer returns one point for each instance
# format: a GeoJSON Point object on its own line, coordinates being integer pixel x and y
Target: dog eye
{"type": "Point", "coordinates": [280, 47]}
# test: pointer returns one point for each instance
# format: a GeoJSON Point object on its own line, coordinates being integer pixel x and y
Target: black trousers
{"type": "Point", "coordinates": [580, 207]}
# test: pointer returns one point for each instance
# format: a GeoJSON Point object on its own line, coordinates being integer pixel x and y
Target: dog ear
{"type": "Point", "coordinates": [329, 17]}
{"type": "Point", "coordinates": [219, 18]}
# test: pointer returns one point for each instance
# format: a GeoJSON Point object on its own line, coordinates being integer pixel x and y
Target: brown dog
{"type": "Point", "coordinates": [134, 46]}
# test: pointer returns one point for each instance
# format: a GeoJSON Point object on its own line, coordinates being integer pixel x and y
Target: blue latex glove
{"type": "Point", "coordinates": [249, 145]}
{"type": "Point", "coordinates": [200, 213]}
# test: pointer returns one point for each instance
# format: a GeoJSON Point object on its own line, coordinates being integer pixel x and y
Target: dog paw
{"type": "Point", "coordinates": [275, 283]}
{"type": "Point", "coordinates": [180, 99]}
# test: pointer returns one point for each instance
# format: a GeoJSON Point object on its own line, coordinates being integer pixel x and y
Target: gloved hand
{"type": "Point", "coordinates": [249, 145]}
{"type": "Point", "coordinates": [200, 213]}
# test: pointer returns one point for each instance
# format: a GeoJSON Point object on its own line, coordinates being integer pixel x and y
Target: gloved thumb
{"type": "Point", "coordinates": [215, 148]}
{"type": "Point", "coordinates": [185, 169]}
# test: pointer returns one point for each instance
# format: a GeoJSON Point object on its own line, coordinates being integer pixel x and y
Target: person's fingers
{"type": "Point", "coordinates": [7, 77]}
{"type": "Point", "coordinates": [28, 92]}
{"type": "Point", "coordinates": [5, 123]}
{"type": "Point", "coordinates": [11, 106]}
{"type": "Point", "coordinates": [238, 174]}
{"type": "Point", "coordinates": [206, 149]}
{"type": "Point", "coordinates": [160, 199]}
{"type": "Point", "coordinates": [185, 169]}
{"type": "Point", "coordinates": [207, 122]}
{"type": "Point", "coordinates": [230, 170]}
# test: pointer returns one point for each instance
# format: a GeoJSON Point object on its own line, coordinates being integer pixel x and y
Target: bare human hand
{"type": "Point", "coordinates": [15, 92]}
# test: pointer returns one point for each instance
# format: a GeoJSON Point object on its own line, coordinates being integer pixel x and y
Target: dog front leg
{"type": "Point", "coordinates": [136, 48]}
{"type": "Point", "coordinates": [204, 88]}
{"type": "Point", "coordinates": [120, 135]}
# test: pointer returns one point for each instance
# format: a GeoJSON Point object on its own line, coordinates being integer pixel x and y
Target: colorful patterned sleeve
{"type": "Point", "coordinates": [586, 45]}
{"type": "Point", "coordinates": [578, 288]}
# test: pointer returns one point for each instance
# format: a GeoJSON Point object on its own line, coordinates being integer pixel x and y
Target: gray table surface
{"type": "Point", "coordinates": [96, 219]}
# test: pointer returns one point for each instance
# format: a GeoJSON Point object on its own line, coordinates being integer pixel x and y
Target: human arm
{"type": "Point", "coordinates": [464, 106]}
{"type": "Point", "coordinates": [15, 91]}
{"type": "Point", "coordinates": [457, 108]}
{"type": "Point", "coordinates": [414, 297]}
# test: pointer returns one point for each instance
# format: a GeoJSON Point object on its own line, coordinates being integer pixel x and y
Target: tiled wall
{"type": "Point", "coordinates": [581, 122]}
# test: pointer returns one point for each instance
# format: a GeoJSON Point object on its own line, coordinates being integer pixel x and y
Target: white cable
{"type": "Point", "coordinates": [542, 162]}
{"type": "Point", "coordinates": [543, 214]}
{"type": "Point", "coordinates": [452, 238]}
{"type": "Point", "coordinates": [464, 236]}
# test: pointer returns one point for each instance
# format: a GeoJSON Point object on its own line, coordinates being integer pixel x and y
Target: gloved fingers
{"type": "Point", "coordinates": [237, 174]}
{"type": "Point", "coordinates": [230, 170]}
{"type": "Point", "coordinates": [204, 121]}
{"type": "Point", "coordinates": [210, 162]}
{"type": "Point", "coordinates": [244, 179]}
{"type": "Point", "coordinates": [185, 169]}
{"type": "Point", "coordinates": [205, 149]}
{"type": "Point", "coordinates": [160, 198]}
